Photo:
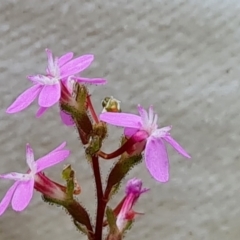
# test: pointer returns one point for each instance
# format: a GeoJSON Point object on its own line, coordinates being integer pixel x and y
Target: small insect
{"type": "Point", "coordinates": [111, 104]}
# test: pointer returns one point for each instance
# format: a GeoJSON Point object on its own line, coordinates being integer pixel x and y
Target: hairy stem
{"type": "Point", "coordinates": [127, 145]}
{"type": "Point", "coordinates": [101, 204]}
{"type": "Point", "coordinates": [91, 109]}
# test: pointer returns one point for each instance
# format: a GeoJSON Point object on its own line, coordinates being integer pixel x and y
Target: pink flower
{"type": "Point", "coordinates": [145, 128]}
{"type": "Point", "coordinates": [48, 87]}
{"type": "Point", "coordinates": [124, 211]}
{"type": "Point", "coordinates": [21, 192]}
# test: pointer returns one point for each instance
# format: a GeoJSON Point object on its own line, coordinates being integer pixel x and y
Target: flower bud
{"type": "Point", "coordinates": [125, 213]}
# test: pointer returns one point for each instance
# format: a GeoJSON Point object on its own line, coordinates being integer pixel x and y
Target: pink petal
{"type": "Point", "coordinates": [41, 111]}
{"type": "Point", "coordinates": [14, 176]}
{"type": "Point", "coordinates": [66, 119]}
{"type": "Point", "coordinates": [151, 114]}
{"type": "Point", "coordinates": [134, 186]}
{"type": "Point", "coordinates": [50, 67]}
{"type": "Point", "coordinates": [39, 79]}
{"type": "Point", "coordinates": [144, 115]}
{"type": "Point", "coordinates": [156, 159]}
{"type": "Point", "coordinates": [98, 81]}
{"type": "Point", "coordinates": [34, 78]}
{"type": "Point", "coordinates": [162, 132]}
{"type": "Point", "coordinates": [7, 198]}
{"type": "Point", "coordinates": [176, 146]}
{"type": "Point", "coordinates": [121, 119]}
{"type": "Point", "coordinates": [58, 148]}
{"type": "Point", "coordinates": [22, 195]}
{"type": "Point", "coordinates": [25, 99]}
{"type": "Point", "coordinates": [30, 158]}
{"type": "Point", "coordinates": [77, 65]}
{"type": "Point", "coordinates": [51, 159]}
{"type": "Point", "coordinates": [65, 58]}
{"type": "Point", "coordinates": [49, 95]}
{"type": "Point", "coordinates": [128, 132]}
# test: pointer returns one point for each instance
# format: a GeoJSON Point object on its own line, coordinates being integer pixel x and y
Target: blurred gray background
{"type": "Point", "coordinates": [181, 56]}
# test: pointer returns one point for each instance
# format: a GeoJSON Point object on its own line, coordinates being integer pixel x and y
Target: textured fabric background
{"type": "Point", "coordinates": [182, 57]}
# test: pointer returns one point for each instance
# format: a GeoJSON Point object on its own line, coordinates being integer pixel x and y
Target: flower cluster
{"type": "Point", "coordinates": [63, 85]}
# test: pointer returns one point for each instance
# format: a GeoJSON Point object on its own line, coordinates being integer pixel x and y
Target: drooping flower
{"type": "Point", "coordinates": [124, 211]}
{"type": "Point", "coordinates": [21, 192]}
{"type": "Point", "coordinates": [48, 87]}
{"type": "Point", "coordinates": [145, 127]}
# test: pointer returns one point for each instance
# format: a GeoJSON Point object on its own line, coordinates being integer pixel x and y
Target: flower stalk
{"type": "Point", "coordinates": [62, 85]}
{"type": "Point", "coordinates": [101, 204]}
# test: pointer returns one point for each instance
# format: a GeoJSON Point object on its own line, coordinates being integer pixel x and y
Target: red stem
{"type": "Point", "coordinates": [127, 145]}
{"type": "Point", "coordinates": [91, 109]}
{"type": "Point", "coordinates": [101, 204]}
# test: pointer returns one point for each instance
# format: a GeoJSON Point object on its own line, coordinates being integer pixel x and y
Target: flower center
{"type": "Point", "coordinates": [27, 177]}
{"type": "Point", "coordinates": [151, 125]}
{"type": "Point", "coordinates": [53, 76]}
{"type": "Point", "coordinates": [54, 80]}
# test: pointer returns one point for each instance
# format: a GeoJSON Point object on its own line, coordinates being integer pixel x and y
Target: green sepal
{"type": "Point", "coordinates": [69, 109]}
{"type": "Point", "coordinates": [84, 126]}
{"type": "Point", "coordinates": [100, 129]}
{"type": "Point", "coordinates": [111, 220]}
{"type": "Point", "coordinates": [82, 229]}
{"type": "Point", "coordinates": [115, 189]}
{"type": "Point", "coordinates": [114, 233]}
{"type": "Point", "coordinates": [81, 119]}
{"type": "Point", "coordinates": [52, 201]}
{"type": "Point", "coordinates": [94, 146]}
{"type": "Point", "coordinates": [119, 171]}
{"type": "Point", "coordinates": [98, 134]}
{"type": "Point", "coordinates": [78, 105]}
{"type": "Point", "coordinates": [81, 94]}
{"type": "Point", "coordinates": [128, 226]}
{"type": "Point", "coordinates": [79, 112]}
{"type": "Point", "coordinates": [68, 176]}
{"type": "Point", "coordinates": [78, 213]}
